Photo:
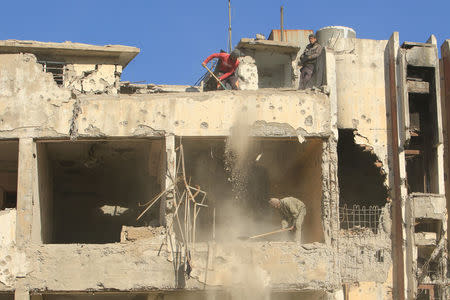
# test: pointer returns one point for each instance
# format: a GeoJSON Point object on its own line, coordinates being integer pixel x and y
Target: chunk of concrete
{"type": "Point", "coordinates": [429, 206]}
{"type": "Point", "coordinates": [425, 238]}
{"type": "Point", "coordinates": [131, 234]}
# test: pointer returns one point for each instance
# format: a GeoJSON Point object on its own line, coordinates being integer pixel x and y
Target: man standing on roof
{"type": "Point", "coordinates": [225, 69]}
{"type": "Point", "coordinates": [308, 61]}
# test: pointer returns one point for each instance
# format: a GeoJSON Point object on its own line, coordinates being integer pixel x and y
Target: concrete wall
{"type": "Point", "coordinates": [34, 108]}
{"type": "Point", "coordinates": [92, 78]}
{"type": "Point", "coordinates": [268, 69]}
{"type": "Point", "coordinates": [361, 90]}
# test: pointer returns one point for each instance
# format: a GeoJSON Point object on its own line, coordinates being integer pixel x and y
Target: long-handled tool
{"type": "Point", "coordinates": [218, 80]}
{"type": "Point", "coordinates": [265, 234]}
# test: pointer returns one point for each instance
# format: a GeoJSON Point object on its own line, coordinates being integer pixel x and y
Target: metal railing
{"type": "Point", "coordinates": [56, 68]}
{"type": "Point", "coordinates": [359, 217]}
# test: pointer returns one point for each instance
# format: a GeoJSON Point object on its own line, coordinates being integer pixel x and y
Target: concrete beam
{"type": "Point", "coordinates": [429, 206]}
{"type": "Point", "coordinates": [418, 87]}
{"type": "Point", "coordinates": [425, 238]}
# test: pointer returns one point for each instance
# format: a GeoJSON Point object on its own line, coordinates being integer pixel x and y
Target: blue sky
{"type": "Point", "coordinates": [175, 36]}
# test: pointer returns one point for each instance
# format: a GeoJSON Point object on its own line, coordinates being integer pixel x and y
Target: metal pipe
{"type": "Point", "coordinates": [230, 45]}
{"type": "Point", "coordinates": [282, 23]}
{"type": "Point", "coordinates": [214, 225]}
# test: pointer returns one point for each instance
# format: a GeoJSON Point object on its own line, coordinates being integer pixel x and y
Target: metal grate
{"type": "Point", "coordinates": [56, 68]}
{"type": "Point", "coordinates": [359, 217]}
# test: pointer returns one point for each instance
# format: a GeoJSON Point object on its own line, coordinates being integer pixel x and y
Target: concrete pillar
{"type": "Point", "coordinates": [25, 190]}
{"type": "Point", "coordinates": [445, 71]}
{"type": "Point", "coordinates": [167, 203]}
{"type": "Point", "coordinates": [21, 293]}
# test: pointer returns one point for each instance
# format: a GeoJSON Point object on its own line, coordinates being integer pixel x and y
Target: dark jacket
{"type": "Point", "coordinates": [310, 55]}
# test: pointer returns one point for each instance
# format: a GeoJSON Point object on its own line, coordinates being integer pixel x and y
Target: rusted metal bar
{"type": "Point", "coordinates": [282, 23]}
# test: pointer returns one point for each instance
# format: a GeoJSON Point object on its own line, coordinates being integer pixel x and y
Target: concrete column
{"type": "Point", "coordinates": [167, 203]}
{"type": "Point", "coordinates": [25, 188]}
{"type": "Point", "coordinates": [21, 293]}
{"type": "Point", "coordinates": [445, 103]}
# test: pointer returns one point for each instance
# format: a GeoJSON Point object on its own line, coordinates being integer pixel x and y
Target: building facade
{"type": "Point", "coordinates": [118, 190]}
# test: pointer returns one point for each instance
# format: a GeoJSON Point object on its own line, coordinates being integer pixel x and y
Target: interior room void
{"type": "Point", "coordinates": [420, 150]}
{"type": "Point", "coordinates": [361, 180]}
{"type": "Point", "coordinates": [6, 296]}
{"type": "Point", "coordinates": [362, 189]}
{"type": "Point", "coordinates": [239, 187]}
{"type": "Point", "coordinates": [88, 190]}
{"type": "Point", "coordinates": [9, 152]}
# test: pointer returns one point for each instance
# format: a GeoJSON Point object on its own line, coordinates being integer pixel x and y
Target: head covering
{"type": "Point", "coordinates": [235, 53]}
{"type": "Point", "coordinates": [275, 202]}
{"type": "Point", "coordinates": [311, 35]}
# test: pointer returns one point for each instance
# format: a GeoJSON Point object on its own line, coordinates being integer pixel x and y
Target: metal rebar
{"type": "Point", "coordinates": [230, 45]}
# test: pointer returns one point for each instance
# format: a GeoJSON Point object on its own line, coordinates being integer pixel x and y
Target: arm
{"type": "Point", "coordinates": [226, 75]}
{"type": "Point", "coordinates": [284, 224]}
{"type": "Point", "coordinates": [315, 53]}
{"type": "Point", "coordinates": [302, 58]}
{"type": "Point", "coordinates": [214, 55]}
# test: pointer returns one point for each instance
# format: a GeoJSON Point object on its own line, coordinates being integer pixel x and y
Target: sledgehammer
{"type": "Point", "coordinates": [265, 234]}
{"type": "Point", "coordinates": [218, 80]}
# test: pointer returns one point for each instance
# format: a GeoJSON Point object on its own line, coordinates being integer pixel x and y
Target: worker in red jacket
{"type": "Point", "coordinates": [225, 69]}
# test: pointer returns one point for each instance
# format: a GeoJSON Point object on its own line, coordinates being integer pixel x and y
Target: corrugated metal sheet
{"type": "Point", "coordinates": [298, 36]}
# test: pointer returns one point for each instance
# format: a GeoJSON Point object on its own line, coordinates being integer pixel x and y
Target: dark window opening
{"type": "Point", "coordinates": [273, 167]}
{"type": "Point", "coordinates": [420, 152]}
{"type": "Point", "coordinates": [56, 69]}
{"type": "Point", "coordinates": [362, 190]}
{"type": "Point", "coordinates": [428, 292]}
{"type": "Point", "coordinates": [88, 190]}
{"type": "Point", "coordinates": [429, 268]}
{"type": "Point", "coordinates": [9, 152]}
{"type": "Point", "coordinates": [6, 296]}
{"type": "Point", "coordinates": [379, 255]}
{"type": "Point", "coordinates": [428, 225]}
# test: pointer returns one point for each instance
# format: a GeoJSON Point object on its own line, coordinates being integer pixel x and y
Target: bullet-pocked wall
{"type": "Point", "coordinates": [240, 181]}
{"type": "Point", "coordinates": [88, 190]}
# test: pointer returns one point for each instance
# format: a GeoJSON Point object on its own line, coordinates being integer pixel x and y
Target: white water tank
{"type": "Point", "coordinates": [326, 36]}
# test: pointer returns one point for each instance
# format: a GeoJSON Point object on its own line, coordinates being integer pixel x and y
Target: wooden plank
{"type": "Point", "coordinates": [412, 152]}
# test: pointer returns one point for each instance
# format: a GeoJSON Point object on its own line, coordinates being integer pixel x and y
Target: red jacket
{"type": "Point", "coordinates": [225, 64]}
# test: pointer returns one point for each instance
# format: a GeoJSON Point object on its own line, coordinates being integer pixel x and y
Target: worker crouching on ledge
{"type": "Point", "coordinates": [225, 70]}
{"type": "Point", "coordinates": [292, 212]}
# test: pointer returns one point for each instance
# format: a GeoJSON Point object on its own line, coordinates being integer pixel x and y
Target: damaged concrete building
{"type": "Point", "coordinates": [114, 190]}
